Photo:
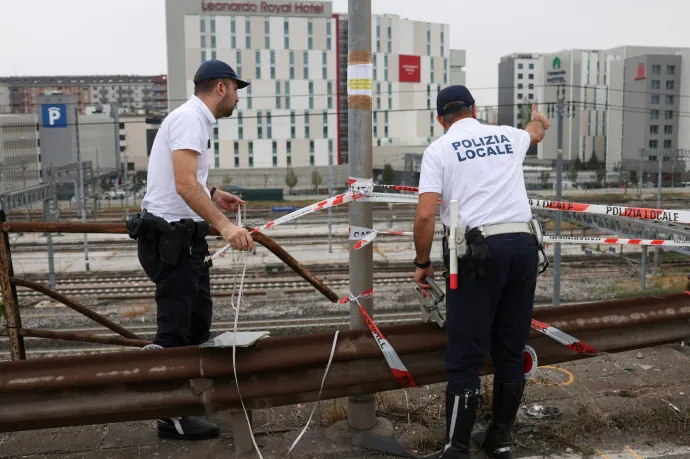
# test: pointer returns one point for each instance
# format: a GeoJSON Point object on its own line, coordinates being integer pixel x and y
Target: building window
{"type": "Point", "coordinates": [269, 126]}
{"type": "Point", "coordinates": [306, 124]}
{"type": "Point", "coordinates": [390, 96]}
{"type": "Point", "coordinates": [531, 66]}
{"type": "Point", "coordinates": [305, 69]}
{"type": "Point", "coordinates": [330, 94]}
{"type": "Point", "coordinates": [531, 76]}
{"type": "Point", "coordinates": [668, 129]}
{"type": "Point", "coordinates": [251, 154]}
{"type": "Point", "coordinates": [233, 33]}
{"type": "Point", "coordinates": [670, 85]}
{"type": "Point", "coordinates": [238, 59]}
{"type": "Point", "coordinates": [328, 34]}
{"type": "Point", "coordinates": [288, 157]}
{"type": "Point", "coordinates": [287, 94]}
{"type": "Point", "coordinates": [325, 125]}
{"type": "Point", "coordinates": [653, 129]}
{"type": "Point", "coordinates": [431, 68]}
{"type": "Point", "coordinates": [378, 95]}
{"type": "Point", "coordinates": [247, 33]}
{"type": "Point", "coordinates": [310, 34]}
{"type": "Point", "coordinates": [531, 97]}
{"type": "Point", "coordinates": [385, 125]}
{"type": "Point", "coordinates": [385, 67]}
{"type": "Point", "coordinates": [292, 124]}
{"type": "Point", "coordinates": [240, 126]}
{"type": "Point", "coordinates": [292, 65]}
{"type": "Point", "coordinates": [324, 65]}
{"type": "Point", "coordinates": [277, 94]}
{"type": "Point", "coordinates": [258, 65]}
{"type": "Point", "coordinates": [375, 125]}
{"type": "Point", "coordinates": [428, 39]}
{"type": "Point", "coordinates": [668, 143]}
{"type": "Point", "coordinates": [668, 114]}
{"type": "Point", "coordinates": [520, 66]}
{"type": "Point", "coordinates": [275, 153]}
{"type": "Point", "coordinates": [656, 70]}
{"type": "Point", "coordinates": [390, 36]}
{"type": "Point", "coordinates": [202, 24]}
{"type": "Point", "coordinates": [654, 114]}
{"type": "Point", "coordinates": [311, 94]}
{"type": "Point", "coordinates": [445, 71]}
{"type": "Point", "coordinates": [428, 96]}
{"type": "Point", "coordinates": [330, 151]}
{"type": "Point", "coordinates": [267, 34]}
{"type": "Point", "coordinates": [519, 86]}
{"type": "Point", "coordinates": [656, 84]}
{"type": "Point", "coordinates": [236, 151]}
{"type": "Point", "coordinates": [653, 143]}
{"type": "Point", "coordinates": [259, 125]}
{"type": "Point", "coordinates": [670, 70]}
{"type": "Point", "coordinates": [286, 34]}
{"type": "Point", "coordinates": [443, 41]}
{"type": "Point", "coordinates": [655, 99]}
{"type": "Point", "coordinates": [249, 97]}
{"type": "Point", "coordinates": [669, 100]}
{"type": "Point", "coordinates": [273, 65]}
{"type": "Point", "coordinates": [373, 64]}
{"type": "Point", "coordinates": [311, 152]}
{"type": "Point", "coordinates": [203, 55]}
{"type": "Point", "coordinates": [519, 76]}
{"type": "Point", "coordinates": [378, 34]}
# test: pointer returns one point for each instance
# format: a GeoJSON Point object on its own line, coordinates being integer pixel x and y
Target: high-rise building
{"type": "Point", "coordinates": [294, 113]}
{"type": "Point", "coordinates": [517, 90]}
{"type": "Point", "coordinates": [133, 93]}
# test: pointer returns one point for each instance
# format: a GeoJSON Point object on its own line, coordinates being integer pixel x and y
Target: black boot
{"type": "Point", "coordinates": [461, 411]}
{"type": "Point", "coordinates": [496, 439]}
{"type": "Point", "coordinates": [187, 428]}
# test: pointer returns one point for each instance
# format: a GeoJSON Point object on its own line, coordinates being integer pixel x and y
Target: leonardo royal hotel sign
{"type": "Point", "coordinates": [297, 8]}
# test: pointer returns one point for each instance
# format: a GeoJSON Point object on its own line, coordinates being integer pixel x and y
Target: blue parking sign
{"type": "Point", "coordinates": [54, 115]}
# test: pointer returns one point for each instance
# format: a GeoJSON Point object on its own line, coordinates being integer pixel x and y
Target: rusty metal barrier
{"type": "Point", "coordinates": [9, 283]}
{"type": "Point", "coordinates": [66, 391]}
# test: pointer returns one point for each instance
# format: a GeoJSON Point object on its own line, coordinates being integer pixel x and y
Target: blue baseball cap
{"type": "Point", "coordinates": [455, 93]}
{"type": "Point", "coordinates": [210, 70]}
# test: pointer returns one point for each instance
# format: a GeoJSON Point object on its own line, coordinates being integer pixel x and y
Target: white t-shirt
{"type": "Point", "coordinates": [481, 167]}
{"type": "Point", "coordinates": [188, 127]}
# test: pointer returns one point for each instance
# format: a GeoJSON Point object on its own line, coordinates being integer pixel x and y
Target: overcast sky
{"type": "Point", "coordinates": [48, 37]}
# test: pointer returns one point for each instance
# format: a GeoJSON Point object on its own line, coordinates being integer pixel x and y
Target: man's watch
{"type": "Point", "coordinates": [213, 190]}
{"type": "Point", "coordinates": [422, 265]}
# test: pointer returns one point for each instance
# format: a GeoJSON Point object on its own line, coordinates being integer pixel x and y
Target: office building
{"type": "Point", "coordinates": [134, 93]}
{"type": "Point", "coordinates": [19, 152]}
{"type": "Point", "coordinates": [294, 113]}
{"type": "Point", "coordinates": [4, 98]}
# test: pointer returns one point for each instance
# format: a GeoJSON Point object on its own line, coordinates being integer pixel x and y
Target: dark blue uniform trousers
{"type": "Point", "coordinates": [493, 313]}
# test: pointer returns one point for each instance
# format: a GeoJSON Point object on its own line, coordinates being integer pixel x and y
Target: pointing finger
{"type": "Point", "coordinates": [534, 108]}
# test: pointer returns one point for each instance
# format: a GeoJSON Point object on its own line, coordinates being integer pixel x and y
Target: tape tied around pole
{"type": "Point", "coordinates": [360, 82]}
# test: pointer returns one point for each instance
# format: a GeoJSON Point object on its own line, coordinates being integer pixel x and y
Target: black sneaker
{"type": "Point", "coordinates": [187, 428]}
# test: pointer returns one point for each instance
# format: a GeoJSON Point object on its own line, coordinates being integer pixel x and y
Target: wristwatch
{"type": "Point", "coordinates": [213, 190]}
{"type": "Point", "coordinates": [422, 265]}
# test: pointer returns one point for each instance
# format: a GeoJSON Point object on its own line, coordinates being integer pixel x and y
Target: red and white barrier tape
{"type": "Point", "coordinates": [563, 338]}
{"type": "Point", "coordinates": [401, 373]}
{"type": "Point", "coordinates": [615, 241]}
{"type": "Point", "coordinates": [640, 213]}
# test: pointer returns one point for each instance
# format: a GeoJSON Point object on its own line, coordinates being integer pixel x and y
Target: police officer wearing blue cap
{"type": "Point", "coordinates": [499, 250]}
{"type": "Point", "coordinates": [178, 210]}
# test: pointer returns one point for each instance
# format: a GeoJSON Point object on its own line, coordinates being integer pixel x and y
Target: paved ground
{"type": "Point", "coordinates": [630, 405]}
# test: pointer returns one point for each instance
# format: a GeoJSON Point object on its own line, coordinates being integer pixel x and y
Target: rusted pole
{"type": "Point", "coordinates": [9, 296]}
{"type": "Point", "coordinates": [76, 306]}
{"type": "Point", "coordinates": [295, 265]}
{"type": "Point", "coordinates": [80, 336]}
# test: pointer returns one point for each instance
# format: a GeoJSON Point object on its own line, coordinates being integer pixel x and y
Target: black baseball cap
{"type": "Point", "coordinates": [455, 93]}
{"type": "Point", "coordinates": [210, 70]}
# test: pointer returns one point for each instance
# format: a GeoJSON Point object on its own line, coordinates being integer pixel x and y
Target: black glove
{"type": "Point", "coordinates": [478, 254]}
{"type": "Point", "coordinates": [134, 226]}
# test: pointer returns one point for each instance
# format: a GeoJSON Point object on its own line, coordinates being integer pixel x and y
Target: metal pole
{"type": "Point", "coordinates": [361, 409]}
{"type": "Point", "coordinates": [556, 296]}
{"type": "Point", "coordinates": [49, 243]}
{"type": "Point", "coordinates": [82, 198]}
{"type": "Point", "coordinates": [658, 206]}
{"type": "Point", "coordinates": [330, 193]}
{"type": "Point", "coordinates": [115, 108]}
{"type": "Point", "coordinates": [643, 269]}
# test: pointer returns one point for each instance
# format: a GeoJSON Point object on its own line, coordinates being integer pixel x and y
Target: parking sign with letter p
{"type": "Point", "coordinates": [54, 115]}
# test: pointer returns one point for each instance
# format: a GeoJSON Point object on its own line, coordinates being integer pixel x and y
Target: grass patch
{"type": "Point", "coordinates": [335, 412]}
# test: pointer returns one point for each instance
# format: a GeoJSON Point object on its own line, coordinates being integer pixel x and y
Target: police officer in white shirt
{"type": "Point", "coordinates": [480, 166]}
{"type": "Point", "coordinates": [178, 210]}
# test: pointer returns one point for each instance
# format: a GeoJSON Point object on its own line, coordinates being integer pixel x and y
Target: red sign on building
{"type": "Point", "coordinates": [640, 72]}
{"type": "Point", "coordinates": [410, 69]}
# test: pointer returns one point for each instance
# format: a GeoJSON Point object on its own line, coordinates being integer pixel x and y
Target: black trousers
{"type": "Point", "coordinates": [492, 314]}
{"type": "Point", "coordinates": [183, 293]}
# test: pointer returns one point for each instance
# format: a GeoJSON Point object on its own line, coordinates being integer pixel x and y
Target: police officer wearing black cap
{"type": "Point", "coordinates": [178, 210]}
{"type": "Point", "coordinates": [499, 250]}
